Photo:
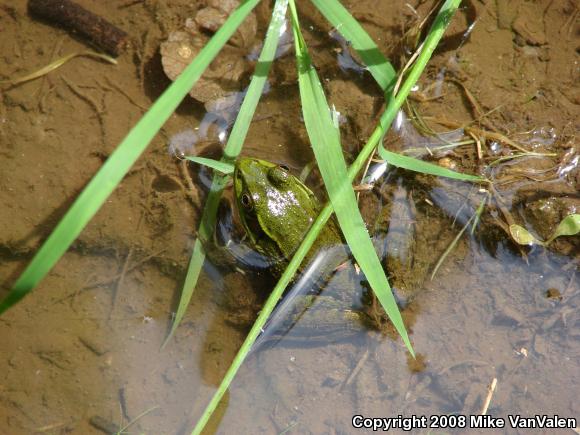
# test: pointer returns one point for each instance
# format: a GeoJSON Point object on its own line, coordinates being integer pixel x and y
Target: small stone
{"type": "Point", "coordinates": [553, 293]}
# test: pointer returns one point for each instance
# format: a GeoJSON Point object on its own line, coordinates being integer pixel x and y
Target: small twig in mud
{"type": "Point", "coordinates": [357, 369]}
{"type": "Point", "coordinates": [76, 19]}
{"type": "Point", "coordinates": [103, 424]}
{"type": "Point", "coordinates": [84, 96]}
{"type": "Point", "coordinates": [115, 278]}
{"type": "Point", "coordinates": [191, 191]}
{"type": "Point", "coordinates": [477, 145]}
{"type": "Point", "coordinates": [99, 110]}
{"type": "Point", "coordinates": [474, 362]}
{"type": "Point", "coordinates": [49, 427]}
{"type": "Point", "coordinates": [479, 132]}
{"type": "Point", "coordinates": [120, 280]}
{"type": "Point", "coordinates": [129, 3]}
{"type": "Point", "coordinates": [490, 391]}
{"type": "Point", "coordinates": [477, 109]}
{"type": "Point", "coordinates": [120, 90]}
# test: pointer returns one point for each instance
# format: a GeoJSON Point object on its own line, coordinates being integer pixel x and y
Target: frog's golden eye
{"type": "Point", "coordinates": [246, 201]}
{"type": "Point", "coordinates": [278, 176]}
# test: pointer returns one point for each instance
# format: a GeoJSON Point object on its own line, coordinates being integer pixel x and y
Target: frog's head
{"type": "Point", "coordinates": [276, 208]}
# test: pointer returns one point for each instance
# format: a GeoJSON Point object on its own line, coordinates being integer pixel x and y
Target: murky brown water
{"type": "Point", "coordinates": [82, 351]}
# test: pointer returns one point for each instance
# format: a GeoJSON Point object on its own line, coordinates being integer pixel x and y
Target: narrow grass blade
{"type": "Point", "coordinates": [417, 165]}
{"type": "Point", "coordinates": [433, 37]}
{"type": "Point", "coordinates": [479, 212]}
{"type": "Point", "coordinates": [235, 142]}
{"type": "Point", "coordinates": [384, 75]}
{"type": "Point", "coordinates": [55, 65]}
{"type": "Point", "coordinates": [384, 123]}
{"type": "Point", "coordinates": [378, 65]}
{"type": "Point", "coordinates": [231, 151]}
{"type": "Point", "coordinates": [217, 165]}
{"type": "Point", "coordinates": [325, 141]}
{"type": "Point", "coordinates": [451, 247]}
{"type": "Point", "coordinates": [115, 168]}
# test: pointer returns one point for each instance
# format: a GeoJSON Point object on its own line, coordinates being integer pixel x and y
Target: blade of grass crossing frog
{"type": "Point", "coordinates": [217, 165]}
{"type": "Point", "coordinates": [384, 123]}
{"type": "Point", "coordinates": [231, 152]}
{"type": "Point", "coordinates": [118, 164]}
{"type": "Point", "coordinates": [378, 65]}
{"type": "Point", "coordinates": [328, 152]}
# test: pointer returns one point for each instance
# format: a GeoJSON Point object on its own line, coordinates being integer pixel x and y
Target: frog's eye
{"type": "Point", "coordinates": [284, 168]}
{"type": "Point", "coordinates": [246, 201]}
{"type": "Point", "coordinates": [278, 176]}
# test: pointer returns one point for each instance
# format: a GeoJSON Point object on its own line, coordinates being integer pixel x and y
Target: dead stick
{"type": "Point", "coordinates": [490, 391]}
{"type": "Point", "coordinates": [77, 19]}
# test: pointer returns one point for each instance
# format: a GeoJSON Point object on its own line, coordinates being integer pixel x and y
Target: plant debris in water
{"type": "Point", "coordinates": [225, 73]}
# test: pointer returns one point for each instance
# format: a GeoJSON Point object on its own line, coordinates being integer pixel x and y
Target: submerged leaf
{"type": "Point", "coordinates": [522, 236]}
{"type": "Point", "coordinates": [570, 226]}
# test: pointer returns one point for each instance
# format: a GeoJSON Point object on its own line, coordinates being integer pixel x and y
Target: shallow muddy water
{"type": "Point", "coordinates": [81, 354]}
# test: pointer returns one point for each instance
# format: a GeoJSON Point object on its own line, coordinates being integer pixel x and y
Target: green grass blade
{"type": "Point", "coordinates": [451, 246]}
{"type": "Point", "coordinates": [378, 65]}
{"type": "Point", "coordinates": [231, 151]}
{"type": "Point", "coordinates": [384, 123]}
{"type": "Point", "coordinates": [217, 165]}
{"type": "Point", "coordinates": [384, 75]}
{"type": "Point", "coordinates": [433, 37]}
{"type": "Point", "coordinates": [325, 142]}
{"type": "Point", "coordinates": [115, 168]}
{"type": "Point", "coordinates": [417, 165]}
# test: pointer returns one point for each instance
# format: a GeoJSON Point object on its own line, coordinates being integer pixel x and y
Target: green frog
{"type": "Point", "coordinates": [276, 211]}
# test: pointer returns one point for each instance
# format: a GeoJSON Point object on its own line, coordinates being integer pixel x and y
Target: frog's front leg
{"type": "Point", "coordinates": [228, 250]}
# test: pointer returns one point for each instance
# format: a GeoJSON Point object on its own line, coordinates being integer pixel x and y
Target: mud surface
{"type": "Point", "coordinates": [81, 353]}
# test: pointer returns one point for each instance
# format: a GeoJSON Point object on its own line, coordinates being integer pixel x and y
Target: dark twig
{"type": "Point", "coordinates": [72, 17]}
